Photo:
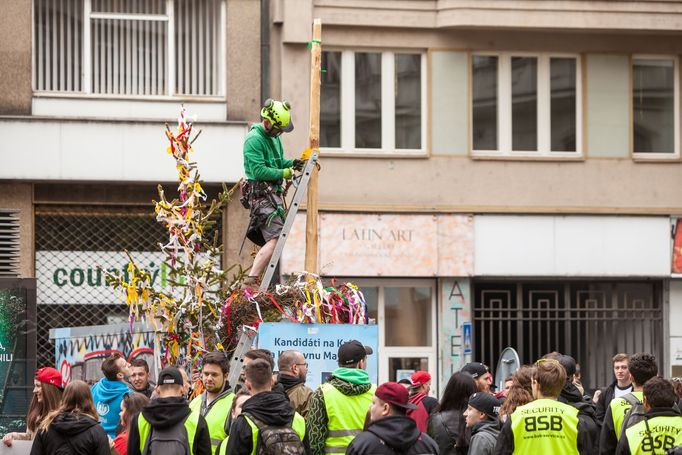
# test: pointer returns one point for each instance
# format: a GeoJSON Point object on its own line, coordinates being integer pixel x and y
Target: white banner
{"type": "Point", "coordinates": [73, 277]}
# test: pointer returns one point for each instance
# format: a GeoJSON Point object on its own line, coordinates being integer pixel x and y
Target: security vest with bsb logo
{"type": "Point", "coordinates": [620, 407]}
{"type": "Point", "coordinates": [655, 435]}
{"type": "Point", "coordinates": [545, 426]}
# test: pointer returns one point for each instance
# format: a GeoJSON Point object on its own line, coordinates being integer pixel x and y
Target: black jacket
{"type": "Point", "coordinates": [624, 446]}
{"type": "Point", "coordinates": [505, 443]}
{"type": "Point", "coordinates": [272, 408]}
{"type": "Point", "coordinates": [586, 409]}
{"type": "Point", "coordinates": [445, 427]}
{"type": "Point", "coordinates": [164, 413]}
{"type": "Point", "coordinates": [69, 434]}
{"type": "Point", "coordinates": [607, 394]}
{"type": "Point", "coordinates": [390, 435]}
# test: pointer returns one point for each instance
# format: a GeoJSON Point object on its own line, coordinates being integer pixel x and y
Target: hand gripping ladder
{"type": "Point", "coordinates": [289, 222]}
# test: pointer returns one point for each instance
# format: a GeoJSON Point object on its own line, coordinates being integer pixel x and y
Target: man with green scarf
{"type": "Point", "coordinates": [266, 169]}
{"type": "Point", "coordinates": [338, 408]}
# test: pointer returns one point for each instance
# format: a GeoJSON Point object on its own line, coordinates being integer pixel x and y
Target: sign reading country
{"type": "Point", "coordinates": [319, 344]}
{"type": "Point", "coordinates": [74, 277]}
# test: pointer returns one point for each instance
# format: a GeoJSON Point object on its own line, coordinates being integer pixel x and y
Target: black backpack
{"type": "Point", "coordinates": [168, 441]}
{"type": "Point", "coordinates": [273, 440]}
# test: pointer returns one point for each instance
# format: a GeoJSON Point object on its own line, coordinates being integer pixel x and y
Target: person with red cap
{"type": "Point", "coordinates": [390, 430]}
{"type": "Point", "coordinates": [419, 390]}
{"type": "Point", "coordinates": [47, 394]}
{"type": "Point", "coordinates": [419, 396]}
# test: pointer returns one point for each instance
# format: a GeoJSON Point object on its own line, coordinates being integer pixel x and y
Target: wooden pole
{"type": "Point", "coordinates": [311, 237]}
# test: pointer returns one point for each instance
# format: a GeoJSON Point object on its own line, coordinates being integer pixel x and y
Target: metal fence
{"type": "Point", "coordinates": [71, 243]}
{"type": "Point", "coordinates": [591, 321]}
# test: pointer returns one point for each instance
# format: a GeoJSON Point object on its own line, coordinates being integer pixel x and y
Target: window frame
{"type": "Point", "coordinates": [388, 352]}
{"type": "Point", "coordinates": [347, 106]}
{"type": "Point", "coordinates": [504, 107]}
{"type": "Point", "coordinates": [644, 156]}
{"type": "Point", "coordinates": [86, 56]}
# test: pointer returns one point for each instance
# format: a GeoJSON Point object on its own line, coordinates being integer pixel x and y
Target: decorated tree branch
{"type": "Point", "coordinates": [207, 307]}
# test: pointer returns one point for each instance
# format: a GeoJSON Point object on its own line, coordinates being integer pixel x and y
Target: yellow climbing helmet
{"type": "Point", "coordinates": [278, 113]}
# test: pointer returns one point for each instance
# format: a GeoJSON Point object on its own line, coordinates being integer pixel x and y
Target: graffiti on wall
{"type": "Point", "coordinates": [455, 343]}
{"type": "Point", "coordinates": [80, 351]}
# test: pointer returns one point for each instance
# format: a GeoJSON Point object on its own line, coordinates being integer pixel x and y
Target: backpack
{"type": "Point", "coordinates": [273, 440]}
{"type": "Point", "coordinates": [168, 441]}
{"type": "Point", "coordinates": [635, 414]}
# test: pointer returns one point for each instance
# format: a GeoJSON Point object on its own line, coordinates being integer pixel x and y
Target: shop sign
{"type": "Point", "coordinates": [17, 348]}
{"type": "Point", "coordinates": [72, 277]}
{"type": "Point", "coordinates": [386, 245]}
{"type": "Point", "coordinates": [677, 246]}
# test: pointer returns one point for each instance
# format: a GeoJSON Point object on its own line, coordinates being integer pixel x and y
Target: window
{"type": "Point", "coordinates": [382, 109]}
{"type": "Point", "coordinates": [129, 47]}
{"type": "Point", "coordinates": [525, 105]}
{"type": "Point", "coordinates": [655, 107]}
{"type": "Point", "coordinates": [396, 304]}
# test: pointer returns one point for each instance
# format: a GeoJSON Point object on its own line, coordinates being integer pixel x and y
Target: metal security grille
{"type": "Point", "coordinates": [9, 243]}
{"type": "Point", "coordinates": [591, 321]}
{"type": "Point", "coordinates": [71, 242]}
{"type": "Point", "coordinates": [129, 47]}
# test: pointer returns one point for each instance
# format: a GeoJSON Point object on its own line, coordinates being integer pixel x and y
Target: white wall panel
{"type": "Point", "coordinates": [571, 246]}
{"type": "Point", "coordinates": [45, 149]}
{"type": "Point", "coordinates": [127, 109]}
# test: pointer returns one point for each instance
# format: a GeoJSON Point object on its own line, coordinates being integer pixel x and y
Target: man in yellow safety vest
{"type": "Point", "coordinates": [167, 425]}
{"type": "Point", "coordinates": [661, 426]}
{"type": "Point", "coordinates": [642, 367]}
{"type": "Point", "coordinates": [215, 403]}
{"type": "Point", "coordinates": [267, 423]}
{"type": "Point", "coordinates": [545, 425]}
{"type": "Point", "coordinates": [338, 408]}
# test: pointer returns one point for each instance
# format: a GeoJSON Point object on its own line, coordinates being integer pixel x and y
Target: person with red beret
{"type": "Point", "coordinates": [47, 395]}
{"type": "Point", "coordinates": [390, 431]}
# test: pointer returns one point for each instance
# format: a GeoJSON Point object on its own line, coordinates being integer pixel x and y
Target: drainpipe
{"type": "Point", "coordinates": [264, 50]}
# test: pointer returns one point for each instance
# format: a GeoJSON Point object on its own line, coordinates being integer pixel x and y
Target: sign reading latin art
{"type": "Point", "coordinates": [386, 245]}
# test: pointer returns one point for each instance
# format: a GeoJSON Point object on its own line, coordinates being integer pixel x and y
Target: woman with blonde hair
{"type": "Point", "coordinates": [520, 393]}
{"type": "Point", "coordinates": [73, 428]}
{"type": "Point", "coordinates": [47, 394]}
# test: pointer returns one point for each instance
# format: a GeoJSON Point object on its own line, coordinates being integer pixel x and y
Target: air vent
{"type": "Point", "coordinates": [9, 243]}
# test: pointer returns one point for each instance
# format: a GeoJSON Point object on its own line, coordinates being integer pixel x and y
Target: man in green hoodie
{"type": "Point", "coordinates": [265, 169]}
{"type": "Point", "coordinates": [338, 408]}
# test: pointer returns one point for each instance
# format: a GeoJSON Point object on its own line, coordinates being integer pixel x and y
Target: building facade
{"type": "Point", "coordinates": [87, 86]}
{"type": "Point", "coordinates": [496, 174]}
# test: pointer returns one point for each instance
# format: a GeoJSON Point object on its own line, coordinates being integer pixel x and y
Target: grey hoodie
{"type": "Point", "coordinates": [483, 437]}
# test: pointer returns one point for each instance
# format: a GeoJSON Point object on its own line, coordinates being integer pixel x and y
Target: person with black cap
{"type": "Point", "coordinates": [337, 409]}
{"type": "Point", "coordinates": [481, 417]}
{"type": "Point", "coordinates": [167, 425]}
{"type": "Point", "coordinates": [390, 430]}
{"type": "Point", "coordinates": [481, 374]}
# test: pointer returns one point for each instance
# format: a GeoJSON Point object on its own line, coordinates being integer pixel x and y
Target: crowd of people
{"type": "Point", "coordinates": [541, 408]}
